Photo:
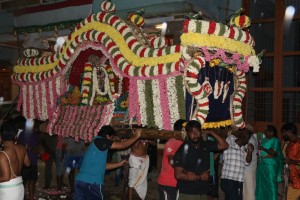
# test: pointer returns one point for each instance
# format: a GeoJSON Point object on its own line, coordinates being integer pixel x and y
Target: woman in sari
{"type": "Point", "coordinates": [270, 166]}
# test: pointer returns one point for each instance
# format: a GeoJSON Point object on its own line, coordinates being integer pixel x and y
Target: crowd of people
{"type": "Point", "coordinates": [252, 164]}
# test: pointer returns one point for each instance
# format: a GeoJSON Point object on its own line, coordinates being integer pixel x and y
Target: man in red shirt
{"type": "Point", "coordinates": [166, 181]}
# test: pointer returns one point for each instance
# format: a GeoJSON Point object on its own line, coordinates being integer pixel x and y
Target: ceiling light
{"type": "Point", "coordinates": [158, 26]}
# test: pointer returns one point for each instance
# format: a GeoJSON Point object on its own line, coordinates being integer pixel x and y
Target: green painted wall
{"type": "Point", "coordinates": [214, 9]}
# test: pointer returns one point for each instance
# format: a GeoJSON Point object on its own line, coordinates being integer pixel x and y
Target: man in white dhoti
{"type": "Point", "coordinates": [12, 158]}
{"type": "Point", "coordinates": [138, 169]}
{"type": "Point", "coordinates": [250, 170]}
{"type": "Point", "coordinates": [12, 189]}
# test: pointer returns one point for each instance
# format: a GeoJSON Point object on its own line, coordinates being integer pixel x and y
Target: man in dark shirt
{"type": "Point", "coordinates": [30, 138]}
{"type": "Point", "coordinates": [192, 164]}
{"type": "Point", "coordinates": [48, 143]}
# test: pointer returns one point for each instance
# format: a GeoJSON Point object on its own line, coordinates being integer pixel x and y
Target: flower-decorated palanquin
{"type": "Point", "coordinates": [79, 87]}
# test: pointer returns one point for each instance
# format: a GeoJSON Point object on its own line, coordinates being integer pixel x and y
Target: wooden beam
{"type": "Point", "coordinates": [150, 134]}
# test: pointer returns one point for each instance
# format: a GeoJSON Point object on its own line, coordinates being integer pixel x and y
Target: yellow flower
{"type": "Point", "coordinates": [214, 62]}
{"type": "Point", "coordinates": [85, 82]}
{"type": "Point", "coordinates": [88, 68]}
{"type": "Point", "coordinates": [231, 69]}
{"type": "Point", "coordinates": [215, 41]}
{"type": "Point", "coordinates": [85, 95]}
{"type": "Point", "coordinates": [236, 21]}
{"type": "Point", "coordinates": [219, 124]}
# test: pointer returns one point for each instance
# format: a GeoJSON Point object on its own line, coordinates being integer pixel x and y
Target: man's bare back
{"type": "Point", "coordinates": [18, 157]}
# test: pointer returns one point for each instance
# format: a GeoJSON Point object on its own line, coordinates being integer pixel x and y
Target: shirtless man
{"type": "Point", "coordinates": [138, 169]}
{"type": "Point", "coordinates": [12, 158]}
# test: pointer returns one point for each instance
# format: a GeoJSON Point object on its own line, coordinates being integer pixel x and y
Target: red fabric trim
{"type": "Point", "coordinates": [41, 8]}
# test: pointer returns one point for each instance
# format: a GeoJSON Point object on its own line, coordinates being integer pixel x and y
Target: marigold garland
{"type": "Point", "coordinates": [217, 42]}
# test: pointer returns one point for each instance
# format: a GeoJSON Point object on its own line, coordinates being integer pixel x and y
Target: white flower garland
{"type": "Point", "coordinates": [157, 104]}
{"type": "Point", "coordinates": [24, 92]}
{"type": "Point", "coordinates": [218, 88]}
{"type": "Point", "coordinates": [95, 85]}
{"type": "Point", "coordinates": [51, 94]}
{"type": "Point", "coordinates": [173, 100]}
{"type": "Point", "coordinates": [58, 83]}
{"type": "Point", "coordinates": [225, 91]}
{"type": "Point", "coordinates": [254, 62]}
{"type": "Point", "coordinates": [31, 111]}
{"type": "Point", "coordinates": [38, 101]}
{"type": "Point", "coordinates": [141, 101]}
{"type": "Point", "coordinates": [44, 102]}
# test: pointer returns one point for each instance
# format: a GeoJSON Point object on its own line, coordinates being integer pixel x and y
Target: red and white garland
{"type": "Point", "coordinates": [219, 29]}
{"type": "Point", "coordinates": [237, 99]}
{"type": "Point", "coordinates": [116, 49]}
{"type": "Point", "coordinates": [158, 42]}
{"type": "Point", "coordinates": [196, 89]}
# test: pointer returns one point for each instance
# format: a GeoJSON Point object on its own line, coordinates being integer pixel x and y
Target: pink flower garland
{"type": "Point", "coordinates": [80, 122]}
{"type": "Point", "coordinates": [164, 104]}
{"type": "Point", "coordinates": [39, 103]}
{"type": "Point", "coordinates": [134, 109]}
{"type": "Point", "coordinates": [35, 100]}
{"type": "Point", "coordinates": [40, 92]}
{"type": "Point", "coordinates": [27, 116]}
{"type": "Point", "coordinates": [235, 59]}
{"type": "Point", "coordinates": [20, 98]}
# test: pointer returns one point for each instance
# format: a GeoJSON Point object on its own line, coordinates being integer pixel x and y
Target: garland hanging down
{"type": "Point", "coordinates": [39, 100]}
{"type": "Point", "coordinates": [80, 122]}
{"type": "Point", "coordinates": [196, 89]}
{"type": "Point", "coordinates": [158, 102]}
{"type": "Point", "coordinates": [86, 84]}
{"type": "Point", "coordinates": [237, 99]}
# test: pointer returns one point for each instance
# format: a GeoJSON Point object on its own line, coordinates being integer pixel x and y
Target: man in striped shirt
{"type": "Point", "coordinates": [235, 158]}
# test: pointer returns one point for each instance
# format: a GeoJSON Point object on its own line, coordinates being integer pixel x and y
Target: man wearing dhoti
{"type": "Point", "coordinates": [138, 169]}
